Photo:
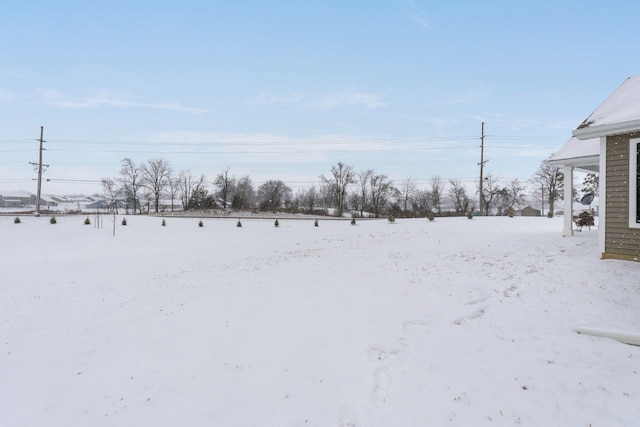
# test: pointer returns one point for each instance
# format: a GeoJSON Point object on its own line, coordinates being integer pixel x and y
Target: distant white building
{"type": "Point", "coordinates": [16, 199]}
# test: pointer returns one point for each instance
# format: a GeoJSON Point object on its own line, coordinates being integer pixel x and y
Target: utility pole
{"type": "Point", "coordinates": [39, 168]}
{"type": "Point", "coordinates": [481, 164]}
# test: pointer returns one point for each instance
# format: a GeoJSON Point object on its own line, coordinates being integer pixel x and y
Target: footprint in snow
{"type": "Point", "coordinates": [383, 381]}
{"type": "Point", "coordinates": [475, 315]}
{"type": "Point", "coordinates": [348, 417]}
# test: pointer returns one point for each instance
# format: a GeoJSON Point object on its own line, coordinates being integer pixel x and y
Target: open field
{"type": "Point", "coordinates": [451, 322]}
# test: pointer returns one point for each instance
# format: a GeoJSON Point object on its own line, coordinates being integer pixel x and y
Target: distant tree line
{"type": "Point", "coordinates": [153, 185]}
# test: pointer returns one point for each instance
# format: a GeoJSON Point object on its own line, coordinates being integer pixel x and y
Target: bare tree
{"type": "Point", "coordinates": [550, 180]}
{"type": "Point", "coordinates": [356, 203]}
{"type": "Point", "coordinates": [187, 183]}
{"type": "Point", "coordinates": [155, 177]}
{"type": "Point", "coordinates": [490, 192]}
{"type": "Point", "coordinates": [458, 196]}
{"type": "Point", "coordinates": [437, 192]}
{"type": "Point", "coordinates": [407, 190]}
{"type": "Point", "coordinates": [225, 184]}
{"type": "Point", "coordinates": [244, 194]}
{"type": "Point", "coordinates": [272, 194]}
{"type": "Point", "coordinates": [174, 188]}
{"type": "Point", "coordinates": [307, 199]}
{"type": "Point", "coordinates": [111, 193]}
{"type": "Point", "coordinates": [380, 189]}
{"type": "Point", "coordinates": [342, 176]}
{"type": "Point", "coordinates": [325, 196]}
{"type": "Point", "coordinates": [422, 201]}
{"type": "Point", "coordinates": [513, 195]}
{"type": "Point", "coordinates": [130, 181]}
{"type": "Point", "coordinates": [363, 181]}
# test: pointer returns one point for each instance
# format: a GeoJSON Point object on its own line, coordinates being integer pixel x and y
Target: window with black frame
{"type": "Point", "coordinates": [638, 183]}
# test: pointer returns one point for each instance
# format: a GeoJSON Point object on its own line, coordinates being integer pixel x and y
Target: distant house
{"type": "Point", "coordinates": [614, 127]}
{"type": "Point", "coordinates": [528, 211]}
{"type": "Point", "coordinates": [97, 204]}
{"type": "Point", "coordinates": [59, 199]}
{"type": "Point", "coordinates": [46, 201]}
{"type": "Point", "coordinates": [120, 203]}
{"type": "Point", "coordinates": [16, 199]}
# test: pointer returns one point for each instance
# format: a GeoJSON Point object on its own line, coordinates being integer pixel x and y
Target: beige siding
{"type": "Point", "coordinates": [620, 240]}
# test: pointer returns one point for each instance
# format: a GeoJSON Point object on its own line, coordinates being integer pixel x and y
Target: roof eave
{"type": "Point", "coordinates": [587, 163]}
{"type": "Point", "coordinates": [607, 130]}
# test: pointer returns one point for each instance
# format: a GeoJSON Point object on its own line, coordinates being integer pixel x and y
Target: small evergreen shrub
{"type": "Point", "coordinates": [353, 221]}
{"type": "Point", "coordinates": [391, 219]}
{"type": "Point", "coordinates": [430, 216]}
{"type": "Point", "coordinates": [163, 222]}
{"type": "Point", "coordinates": [124, 221]}
{"type": "Point", "coordinates": [239, 224]}
{"type": "Point", "coordinates": [53, 220]}
{"type": "Point", "coordinates": [87, 221]}
{"type": "Point", "coordinates": [549, 214]}
{"type": "Point", "coordinates": [470, 214]}
{"type": "Point", "coordinates": [277, 224]}
{"type": "Point", "coordinates": [16, 220]}
{"type": "Point", "coordinates": [201, 224]}
{"type": "Point", "coordinates": [315, 223]}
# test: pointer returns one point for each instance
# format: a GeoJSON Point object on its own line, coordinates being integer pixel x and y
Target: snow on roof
{"type": "Point", "coordinates": [576, 152]}
{"type": "Point", "coordinates": [16, 194]}
{"type": "Point", "coordinates": [620, 110]}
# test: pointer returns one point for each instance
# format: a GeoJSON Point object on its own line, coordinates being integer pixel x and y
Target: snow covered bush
{"type": "Point", "coordinates": [201, 224]}
{"type": "Point", "coordinates": [163, 222]}
{"type": "Point", "coordinates": [430, 216]}
{"type": "Point", "coordinates": [53, 220]}
{"type": "Point", "coordinates": [315, 223]}
{"type": "Point", "coordinates": [391, 219]}
{"type": "Point", "coordinates": [470, 214]}
{"type": "Point", "coordinates": [124, 221]}
{"type": "Point", "coordinates": [277, 224]}
{"type": "Point", "coordinates": [16, 220]}
{"type": "Point", "coordinates": [353, 221]}
{"type": "Point", "coordinates": [87, 221]}
{"type": "Point", "coordinates": [239, 224]}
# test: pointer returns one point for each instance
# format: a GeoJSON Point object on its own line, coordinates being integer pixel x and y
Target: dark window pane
{"type": "Point", "coordinates": [637, 183]}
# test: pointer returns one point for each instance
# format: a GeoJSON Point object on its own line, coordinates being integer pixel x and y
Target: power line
{"type": "Point", "coordinates": [367, 150]}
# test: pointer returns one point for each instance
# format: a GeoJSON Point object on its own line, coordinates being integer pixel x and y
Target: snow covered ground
{"type": "Point", "coordinates": [417, 323]}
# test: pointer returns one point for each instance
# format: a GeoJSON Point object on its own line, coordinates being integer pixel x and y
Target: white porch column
{"type": "Point", "coordinates": [568, 201]}
{"type": "Point", "coordinates": [602, 191]}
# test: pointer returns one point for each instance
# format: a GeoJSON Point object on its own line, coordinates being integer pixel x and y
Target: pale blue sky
{"type": "Point", "coordinates": [285, 89]}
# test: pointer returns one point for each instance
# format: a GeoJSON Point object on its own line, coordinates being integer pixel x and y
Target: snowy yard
{"type": "Point", "coordinates": [417, 323]}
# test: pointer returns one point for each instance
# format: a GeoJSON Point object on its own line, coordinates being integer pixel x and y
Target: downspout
{"type": "Point", "coordinates": [623, 337]}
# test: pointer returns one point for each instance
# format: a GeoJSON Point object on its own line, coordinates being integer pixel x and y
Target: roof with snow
{"type": "Point", "coordinates": [583, 154]}
{"type": "Point", "coordinates": [619, 113]}
{"type": "Point", "coordinates": [16, 194]}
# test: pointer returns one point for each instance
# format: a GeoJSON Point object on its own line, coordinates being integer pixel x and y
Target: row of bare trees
{"type": "Point", "coordinates": [142, 187]}
{"type": "Point", "coordinates": [367, 191]}
{"type": "Point", "coordinates": [154, 180]}
{"type": "Point", "coordinates": [375, 194]}
{"type": "Point", "coordinates": [153, 177]}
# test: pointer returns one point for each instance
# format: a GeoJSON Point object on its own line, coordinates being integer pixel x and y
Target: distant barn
{"type": "Point", "coordinates": [528, 211]}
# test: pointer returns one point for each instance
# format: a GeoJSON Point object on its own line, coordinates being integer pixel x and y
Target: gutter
{"type": "Point", "coordinates": [588, 131]}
